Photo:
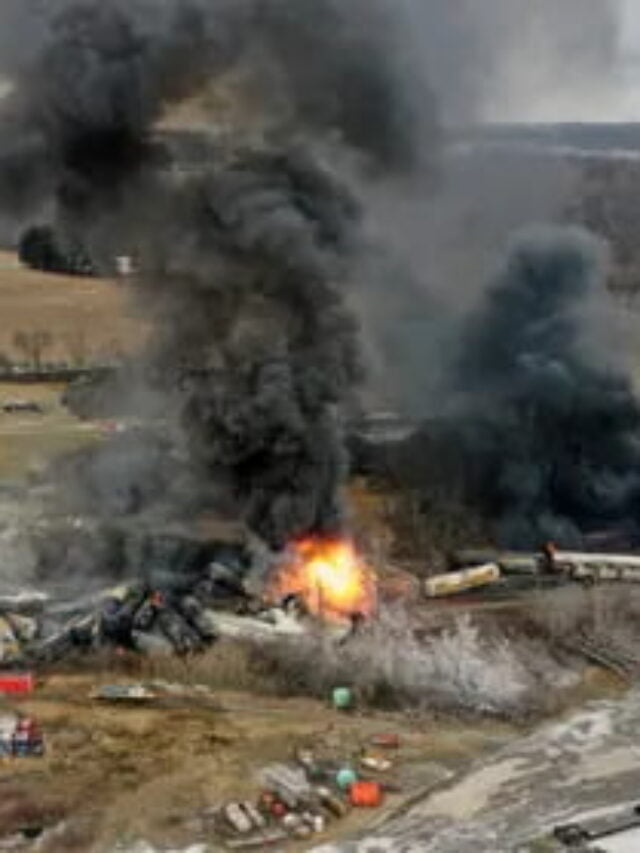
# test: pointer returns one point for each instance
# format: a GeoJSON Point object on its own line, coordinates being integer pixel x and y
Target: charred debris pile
{"type": "Point", "coordinates": [186, 595]}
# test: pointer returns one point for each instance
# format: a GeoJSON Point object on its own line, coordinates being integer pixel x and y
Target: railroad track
{"type": "Point", "coordinates": [607, 654]}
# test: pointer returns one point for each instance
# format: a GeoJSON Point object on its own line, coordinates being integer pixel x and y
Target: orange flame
{"type": "Point", "coordinates": [329, 576]}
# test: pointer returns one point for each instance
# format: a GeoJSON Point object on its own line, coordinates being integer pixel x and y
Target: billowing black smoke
{"type": "Point", "coordinates": [346, 69]}
{"type": "Point", "coordinates": [81, 118]}
{"type": "Point", "coordinates": [78, 126]}
{"type": "Point", "coordinates": [252, 326]}
{"type": "Point", "coordinates": [242, 263]}
{"type": "Point", "coordinates": [245, 263]}
{"type": "Point", "coordinates": [549, 427]}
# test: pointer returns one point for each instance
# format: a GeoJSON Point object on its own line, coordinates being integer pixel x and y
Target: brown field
{"type": "Point", "coordinates": [133, 772]}
{"type": "Point", "coordinates": [86, 318]}
{"type": "Point", "coordinates": [29, 441]}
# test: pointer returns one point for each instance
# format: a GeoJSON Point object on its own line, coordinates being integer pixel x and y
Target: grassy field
{"type": "Point", "coordinates": [29, 441]}
{"type": "Point", "coordinates": [85, 318]}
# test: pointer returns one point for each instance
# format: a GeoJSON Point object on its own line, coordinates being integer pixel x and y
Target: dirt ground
{"type": "Point", "coordinates": [581, 769]}
{"type": "Point", "coordinates": [125, 773]}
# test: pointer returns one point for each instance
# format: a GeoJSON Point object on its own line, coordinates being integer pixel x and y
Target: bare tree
{"type": "Point", "coordinates": [33, 344]}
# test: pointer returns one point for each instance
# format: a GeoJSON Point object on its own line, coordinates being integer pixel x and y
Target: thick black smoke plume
{"type": "Point", "coordinates": [550, 426]}
{"type": "Point", "coordinates": [242, 263]}
{"type": "Point", "coordinates": [253, 327]}
{"type": "Point", "coordinates": [81, 117]}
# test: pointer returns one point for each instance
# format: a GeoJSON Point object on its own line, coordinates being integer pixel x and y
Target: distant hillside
{"type": "Point", "coordinates": [600, 164]}
{"type": "Point", "coordinates": [614, 139]}
{"type": "Point", "coordinates": [83, 319]}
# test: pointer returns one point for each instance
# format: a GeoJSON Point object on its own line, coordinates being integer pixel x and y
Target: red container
{"type": "Point", "coordinates": [16, 682]}
{"type": "Point", "coordinates": [366, 795]}
{"type": "Point", "coordinates": [28, 725]}
{"type": "Point", "coordinates": [278, 809]}
{"type": "Point", "coordinates": [386, 741]}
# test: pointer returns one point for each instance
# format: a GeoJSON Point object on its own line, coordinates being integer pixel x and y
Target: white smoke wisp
{"type": "Point", "coordinates": [460, 669]}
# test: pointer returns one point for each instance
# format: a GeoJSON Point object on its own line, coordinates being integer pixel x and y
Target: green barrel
{"type": "Point", "coordinates": [342, 698]}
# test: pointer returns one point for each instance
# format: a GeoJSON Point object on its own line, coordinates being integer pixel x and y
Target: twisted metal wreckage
{"type": "Point", "coordinates": [174, 615]}
{"type": "Point", "coordinates": [188, 594]}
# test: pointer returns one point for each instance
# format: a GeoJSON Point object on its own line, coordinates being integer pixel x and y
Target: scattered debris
{"type": "Point", "coordinates": [345, 778]}
{"type": "Point", "coordinates": [20, 737]}
{"type": "Point", "coordinates": [144, 847]}
{"type": "Point", "coordinates": [365, 794]}
{"type": "Point", "coordinates": [385, 741]}
{"type": "Point", "coordinates": [16, 682]}
{"type": "Point", "coordinates": [317, 822]}
{"type": "Point", "coordinates": [23, 602]}
{"type": "Point", "coordinates": [377, 763]}
{"type": "Point", "coordinates": [456, 582]}
{"type": "Point", "coordinates": [124, 266]}
{"type": "Point", "coordinates": [123, 693]}
{"type": "Point", "coordinates": [257, 842]}
{"type": "Point", "coordinates": [342, 698]}
{"type": "Point", "coordinates": [291, 806]}
{"type": "Point", "coordinates": [332, 803]}
{"type": "Point", "coordinates": [271, 623]}
{"type": "Point", "coordinates": [237, 818]}
{"type": "Point", "coordinates": [289, 784]}
{"type": "Point", "coordinates": [256, 818]}
{"type": "Point", "coordinates": [16, 406]}
{"type": "Point", "coordinates": [179, 615]}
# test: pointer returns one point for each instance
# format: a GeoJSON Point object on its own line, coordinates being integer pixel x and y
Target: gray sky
{"type": "Point", "coordinates": [631, 19]}
{"type": "Point", "coordinates": [615, 96]}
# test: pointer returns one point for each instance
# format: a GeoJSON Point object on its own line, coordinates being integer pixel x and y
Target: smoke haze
{"type": "Point", "coordinates": [242, 264]}
{"type": "Point", "coordinates": [331, 202]}
{"type": "Point", "coordinates": [554, 425]}
{"type": "Point", "coordinates": [513, 60]}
